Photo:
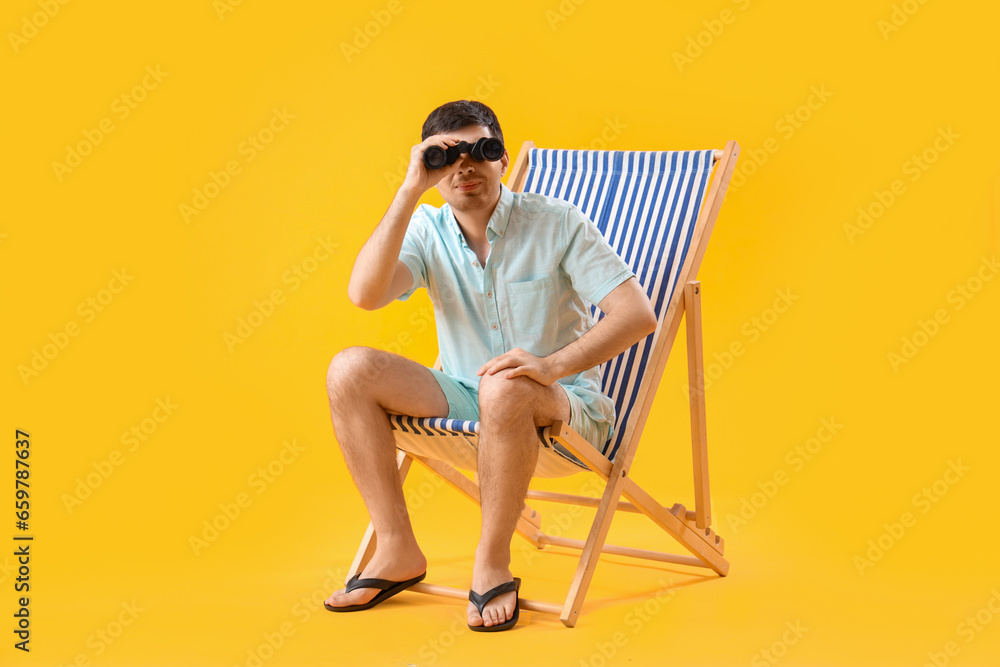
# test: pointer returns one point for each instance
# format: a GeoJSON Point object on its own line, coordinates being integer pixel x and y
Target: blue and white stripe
{"type": "Point", "coordinates": [457, 442]}
{"type": "Point", "coordinates": [646, 204]}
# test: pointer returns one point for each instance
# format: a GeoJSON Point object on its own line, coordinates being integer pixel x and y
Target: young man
{"type": "Point", "coordinates": [510, 276]}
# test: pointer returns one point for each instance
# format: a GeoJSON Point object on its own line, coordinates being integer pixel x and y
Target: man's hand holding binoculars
{"type": "Point", "coordinates": [437, 157]}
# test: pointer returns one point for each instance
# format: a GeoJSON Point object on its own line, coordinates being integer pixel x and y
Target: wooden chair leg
{"type": "Point", "coordinates": [592, 550]}
{"type": "Point", "coordinates": [696, 393]}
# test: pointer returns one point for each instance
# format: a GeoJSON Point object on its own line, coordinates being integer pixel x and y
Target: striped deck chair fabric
{"type": "Point", "coordinates": [646, 204]}
{"type": "Point", "coordinates": [457, 442]}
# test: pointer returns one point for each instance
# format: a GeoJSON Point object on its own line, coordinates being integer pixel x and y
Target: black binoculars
{"type": "Point", "coordinates": [486, 148]}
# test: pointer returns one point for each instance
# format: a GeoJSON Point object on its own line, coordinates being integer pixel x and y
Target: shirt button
{"type": "Point", "coordinates": [475, 263]}
{"type": "Point", "coordinates": [489, 294]}
{"type": "Point", "coordinates": [494, 326]}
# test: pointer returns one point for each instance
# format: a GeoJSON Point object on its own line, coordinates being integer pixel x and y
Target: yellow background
{"type": "Point", "coordinates": [559, 74]}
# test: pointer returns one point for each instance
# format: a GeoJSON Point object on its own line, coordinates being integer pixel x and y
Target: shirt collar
{"type": "Point", "coordinates": [498, 220]}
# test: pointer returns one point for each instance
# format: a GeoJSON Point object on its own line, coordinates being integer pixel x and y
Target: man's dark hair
{"type": "Point", "coordinates": [456, 115]}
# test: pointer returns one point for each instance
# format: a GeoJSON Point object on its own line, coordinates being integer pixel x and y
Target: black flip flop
{"type": "Point", "coordinates": [481, 601]}
{"type": "Point", "coordinates": [389, 588]}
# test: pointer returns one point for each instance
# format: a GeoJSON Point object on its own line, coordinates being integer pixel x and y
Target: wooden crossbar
{"type": "Point", "coordinates": [583, 501]}
{"type": "Point", "coordinates": [623, 551]}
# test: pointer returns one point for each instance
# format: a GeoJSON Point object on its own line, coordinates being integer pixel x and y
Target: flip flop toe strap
{"type": "Point", "coordinates": [482, 600]}
{"type": "Point", "coordinates": [382, 584]}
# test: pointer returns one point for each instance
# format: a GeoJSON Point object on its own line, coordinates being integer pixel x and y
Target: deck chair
{"type": "Point", "coordinates": [653, 209]}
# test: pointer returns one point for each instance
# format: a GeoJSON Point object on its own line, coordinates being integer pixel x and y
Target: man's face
{"type": "Point", "coordinates": [483, 178]}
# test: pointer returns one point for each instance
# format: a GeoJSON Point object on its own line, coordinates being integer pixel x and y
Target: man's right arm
{"type": "Point", "coordinates": [378, 276]}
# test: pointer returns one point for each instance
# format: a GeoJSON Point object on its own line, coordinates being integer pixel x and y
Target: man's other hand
{"type": "Point", "coordinates": [518, 362]}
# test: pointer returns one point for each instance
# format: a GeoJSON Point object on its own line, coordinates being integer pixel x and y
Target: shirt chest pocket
{"type": "Point", "coordinates": [532, 305]}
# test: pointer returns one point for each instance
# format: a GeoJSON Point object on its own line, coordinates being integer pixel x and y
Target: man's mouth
{"type": "Point", "coordinates": [467, 187]}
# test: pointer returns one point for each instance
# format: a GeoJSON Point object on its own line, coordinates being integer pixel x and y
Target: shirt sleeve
{"type": "Point", "coordinates": [412, 253]}
{"type": "Point", "coordinates": [591, 263]}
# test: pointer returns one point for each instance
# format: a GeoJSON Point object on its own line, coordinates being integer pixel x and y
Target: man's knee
{"type": "Point", "coordinates": [352, 368]}
{"type": "Point", "coordinates": [501, 397]}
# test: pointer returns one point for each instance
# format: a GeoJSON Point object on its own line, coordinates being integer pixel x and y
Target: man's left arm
{"type": "Point", "coordinates": [628, 318]}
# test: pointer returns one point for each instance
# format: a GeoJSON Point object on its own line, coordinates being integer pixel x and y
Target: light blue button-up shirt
{"type": "Point", "coordinates": [548, 262]}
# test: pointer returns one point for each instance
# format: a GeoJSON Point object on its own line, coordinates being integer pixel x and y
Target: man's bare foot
{"type": "Point", "coordinates": [394, 564]}
{"type": "Point", "coordinates": [486, 576]}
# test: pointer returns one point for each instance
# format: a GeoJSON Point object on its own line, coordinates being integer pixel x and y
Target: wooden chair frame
{"type": "Point", "coordinates": [691, 528]}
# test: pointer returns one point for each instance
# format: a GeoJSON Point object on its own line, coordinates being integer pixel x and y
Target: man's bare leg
{"type": "Point", "coordinates": [363, 385]}
{"type": "Point", "coordinates": [510, 413]}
